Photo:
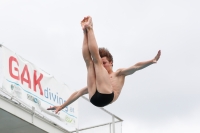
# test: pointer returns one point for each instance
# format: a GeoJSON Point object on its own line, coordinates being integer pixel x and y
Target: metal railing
{"type": "Point", "coordinates": [111, 124]}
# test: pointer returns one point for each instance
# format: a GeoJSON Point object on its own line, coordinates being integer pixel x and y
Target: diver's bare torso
{"type": "Point", "coordinates": [117, 82]}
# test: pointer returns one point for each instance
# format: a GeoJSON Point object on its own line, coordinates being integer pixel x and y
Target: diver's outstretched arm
{"type": "Point", "coordinates": [70, 100]}
{"type": "Point", "coordinates": [139, 65]}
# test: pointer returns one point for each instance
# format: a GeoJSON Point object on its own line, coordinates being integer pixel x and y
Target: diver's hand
{"type": "Point", "coordinates": [56, 108]}
{"type": "Point", "coordinates": [157, 57]}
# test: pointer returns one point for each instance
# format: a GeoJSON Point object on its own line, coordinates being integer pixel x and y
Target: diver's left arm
{"type": "Point", "coordinates": [139, 65]}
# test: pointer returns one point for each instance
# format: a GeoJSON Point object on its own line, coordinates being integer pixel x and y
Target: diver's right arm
{"type": "Point", "coordinates": [70, 100]}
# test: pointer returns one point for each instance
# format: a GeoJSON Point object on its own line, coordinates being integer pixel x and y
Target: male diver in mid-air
{"type": "Point", "coordinates": [103, 84]}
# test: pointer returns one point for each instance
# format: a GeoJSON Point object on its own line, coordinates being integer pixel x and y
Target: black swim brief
{"type": "Point", "coordinates": [101, 100]}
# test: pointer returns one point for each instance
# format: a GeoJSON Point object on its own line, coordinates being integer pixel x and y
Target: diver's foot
{"type": "Point", "coordinates": [83, 22]}
{"type": "Point", "coordinates": [89, 24]}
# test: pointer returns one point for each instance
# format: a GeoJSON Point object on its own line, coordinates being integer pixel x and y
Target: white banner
{"type": "Point", "coordinates": [36, 88]}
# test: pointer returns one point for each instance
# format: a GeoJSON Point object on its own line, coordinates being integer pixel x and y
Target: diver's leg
{"type": "Point", "coordinates": [102, 77]}
{"type": "Point", "coordinates": [91, 79]}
